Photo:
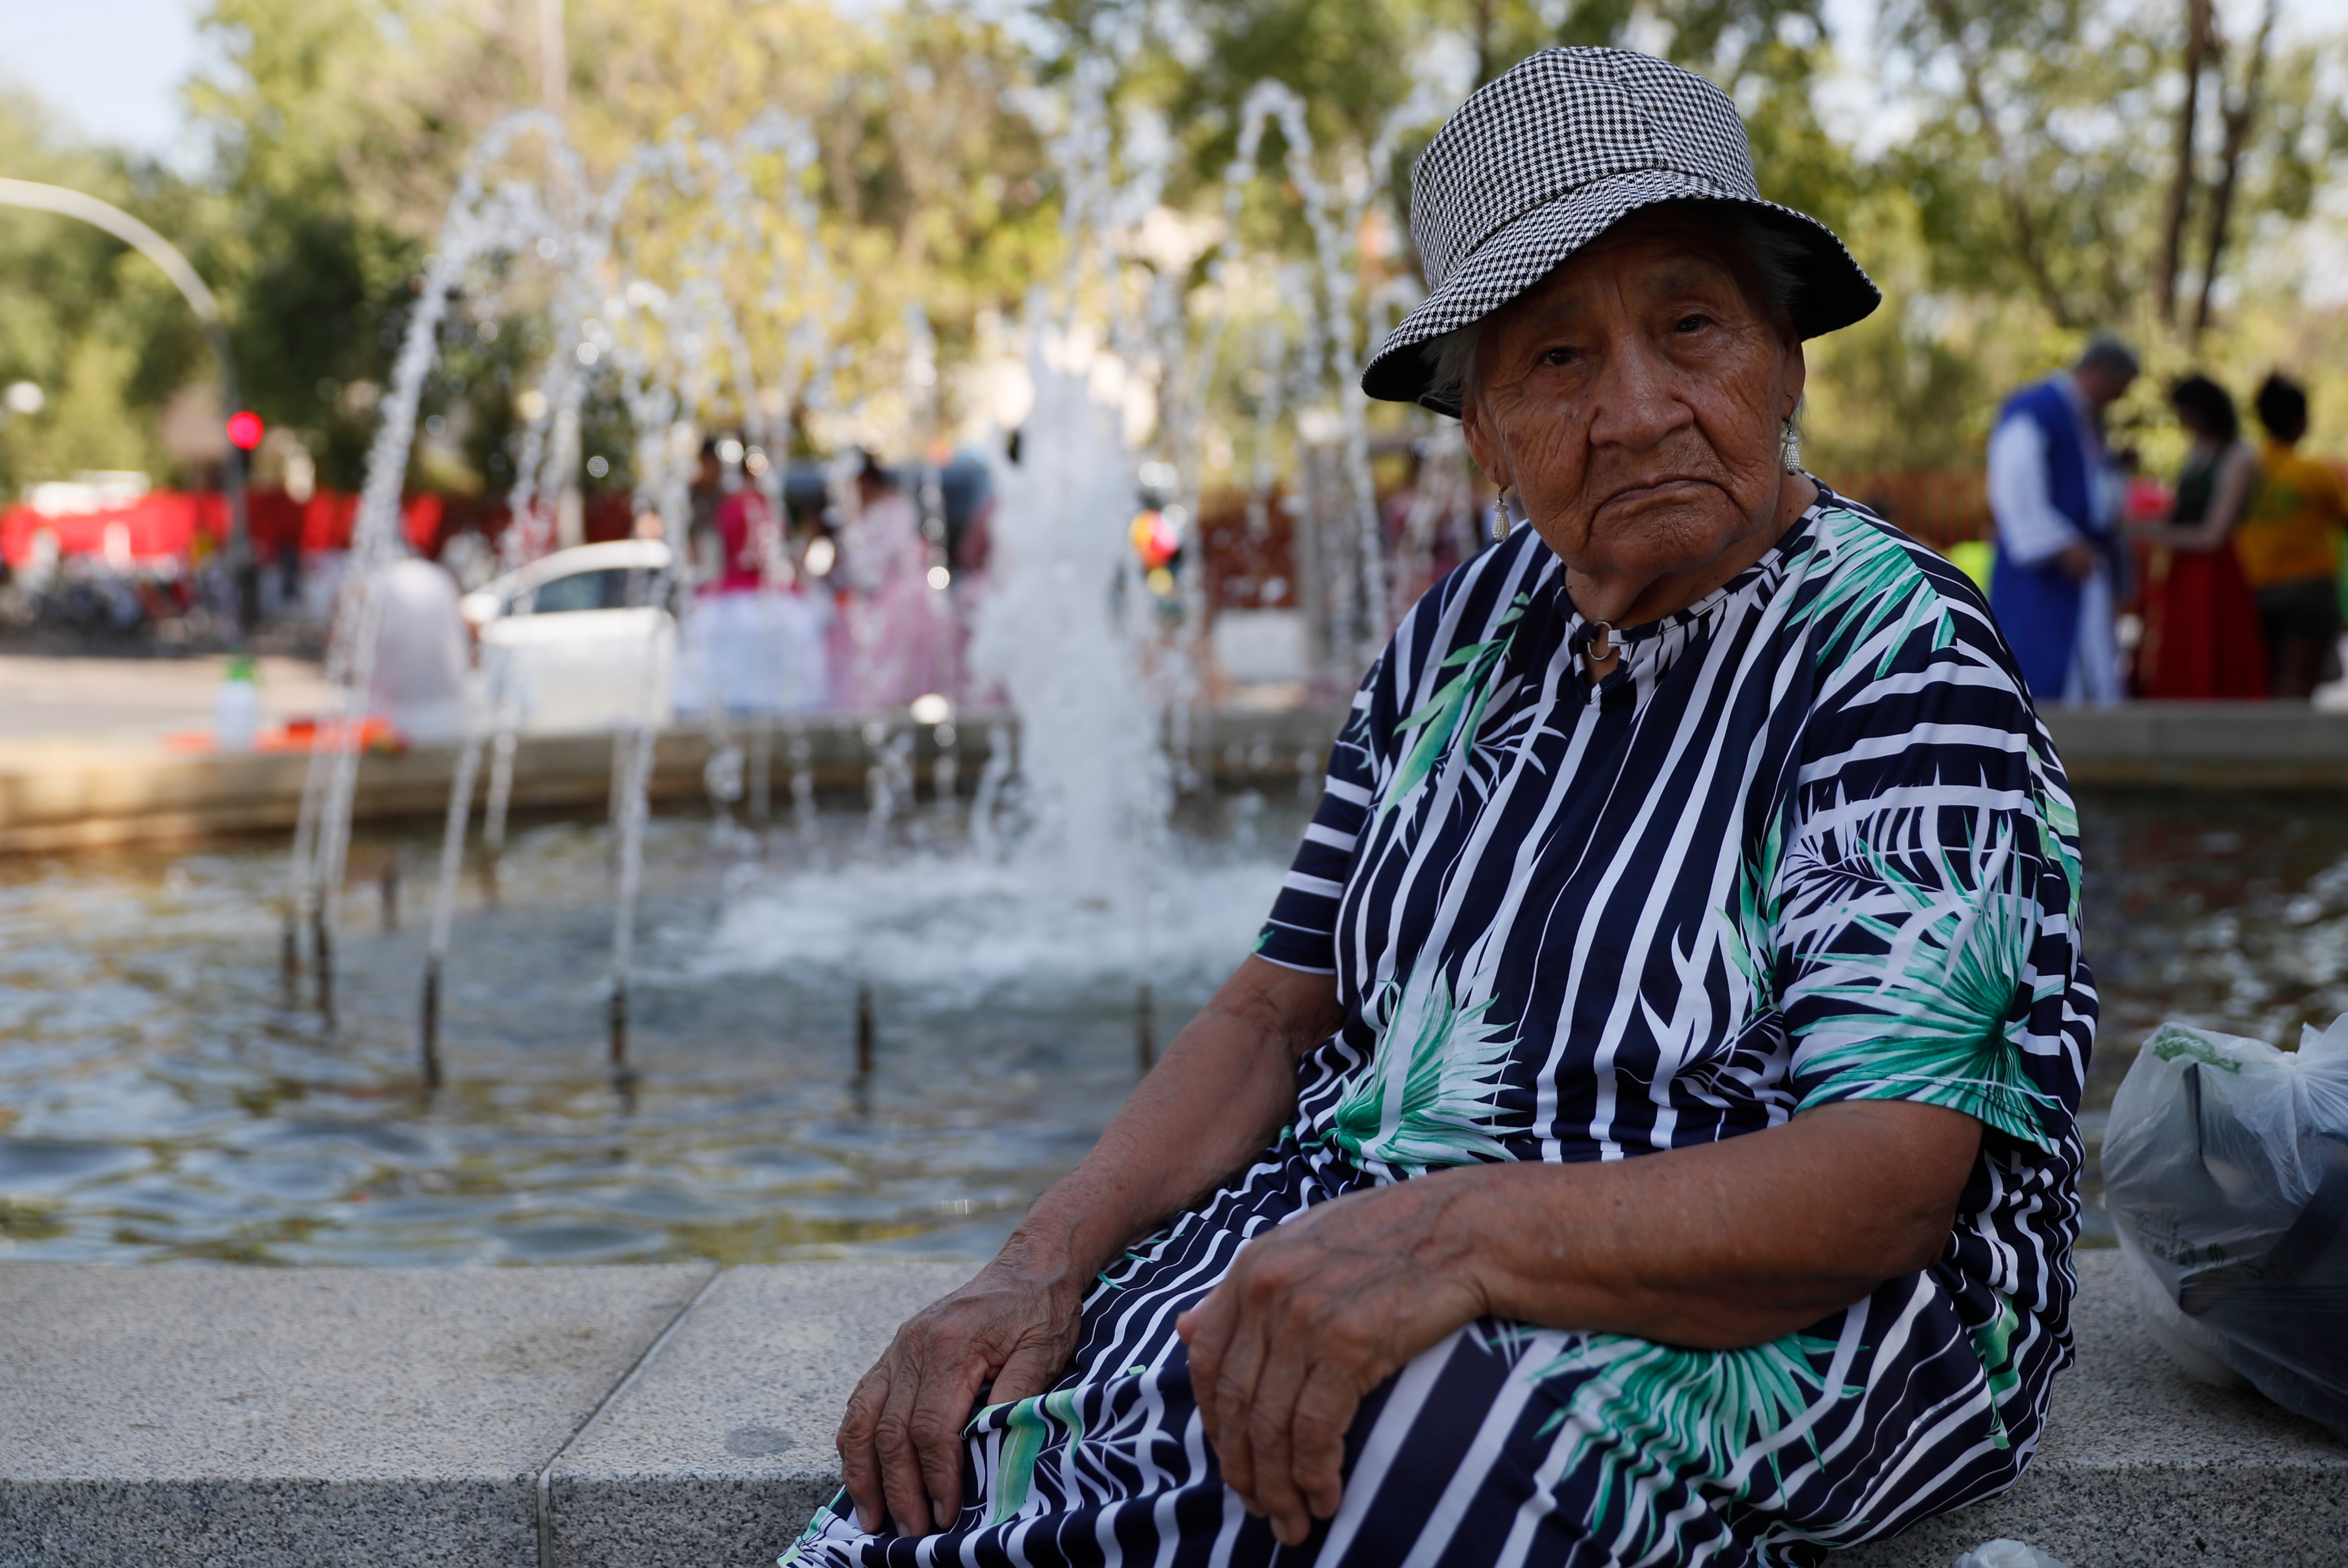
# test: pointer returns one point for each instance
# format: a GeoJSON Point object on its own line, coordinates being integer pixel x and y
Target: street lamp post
{"type": "Point", "coordinates": [70, 203]}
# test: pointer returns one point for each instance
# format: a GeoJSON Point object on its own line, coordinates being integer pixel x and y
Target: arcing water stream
{"type": "Point", "coordinates": [1061, 635]}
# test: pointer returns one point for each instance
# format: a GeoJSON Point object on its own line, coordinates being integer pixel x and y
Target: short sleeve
{"type": "Point", "coordinates": [2335, 493]}
{"type": "Point", "coordinates": [1301, 933]}
{"type": "Point", "coordinates": [1475, 601]}
{"type": "Point", "coordinates": [1925, 916]}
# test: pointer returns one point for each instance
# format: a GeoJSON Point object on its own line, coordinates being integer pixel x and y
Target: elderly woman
{"type": "Point", "coordinates": [1644, 1130]}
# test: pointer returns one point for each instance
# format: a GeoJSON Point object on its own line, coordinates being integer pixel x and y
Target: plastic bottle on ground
{"type": "Point", "coordinates": [236, 705]}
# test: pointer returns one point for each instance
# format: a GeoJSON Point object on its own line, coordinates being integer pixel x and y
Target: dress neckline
{"type": "Point", "coordinates": [1644, 645]}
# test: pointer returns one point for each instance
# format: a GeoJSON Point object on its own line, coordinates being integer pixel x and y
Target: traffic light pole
{"type": "Point", "coordinates": [38, 197]}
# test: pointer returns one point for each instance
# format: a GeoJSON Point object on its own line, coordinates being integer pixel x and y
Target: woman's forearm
{"type": "Point", "coordinates": [1726, 1244]}
{"type": "Point", "coordinates": [1226, 1086]}
{"type": "Point", "coordinates": [2236, 482]}
{"type": "Point", "coordinates": [2229, 499]}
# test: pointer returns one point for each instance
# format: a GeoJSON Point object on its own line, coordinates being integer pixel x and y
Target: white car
{"type": "Point", "coordinates": [581, 640]}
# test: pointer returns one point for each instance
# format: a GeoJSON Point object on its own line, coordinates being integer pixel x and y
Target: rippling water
{"type": "Point", "coordinates": [162, 1098]}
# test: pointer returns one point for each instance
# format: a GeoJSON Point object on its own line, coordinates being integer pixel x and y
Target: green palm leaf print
{"type": "Point", "coordinates": [1026, 1430]}
{"type": "Point", "coordinates": [1875, 579]}
{"type": "Point", "coordinates": [1934, 1023]}
{"type": "Point", "coordinates": [1646, 1410]}
{"type": "Point", "coordinates": [1993, 1343]}
{"type": "Point", "coordinates": [814, 1530]}
{"type": "Point", "coordinates": [1427, 1097]}
{"type": "Point", "coordinates": [1745, 931]}
{"type": "Point", "coordinates": [1456, 708]}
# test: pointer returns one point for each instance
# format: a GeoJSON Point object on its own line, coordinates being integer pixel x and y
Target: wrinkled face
{"type": "Point", "coordinates": [1635, 399]}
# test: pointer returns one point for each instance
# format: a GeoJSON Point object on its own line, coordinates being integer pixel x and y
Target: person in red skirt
{"type": "Point", "coordinates": [2201, 635]}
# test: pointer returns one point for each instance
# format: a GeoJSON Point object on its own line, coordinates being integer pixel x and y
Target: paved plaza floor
{"type": "Point", "coordinates": [679, 1418]}
{"type": "Point", "coordinates": [137, 701]}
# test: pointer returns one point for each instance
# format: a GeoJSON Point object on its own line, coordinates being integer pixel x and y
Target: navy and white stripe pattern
{"type": "Point", "coordinates": [1810, 844]}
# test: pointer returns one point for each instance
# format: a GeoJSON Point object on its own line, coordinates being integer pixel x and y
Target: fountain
{"type": "Point", "coordinates": [868, 1028]}
{"type": "Point", "coordinates": [831, 1030]}
{"type": "Point", "coordinates": [1061, 635]}
{"type": "Point", "coordinates": [1058, 633]}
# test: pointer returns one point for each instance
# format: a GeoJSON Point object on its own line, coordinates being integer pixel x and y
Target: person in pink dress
{"type": "Point", "coordinates": [894, 638]}
{"type": "Point", "coordinates": [757, 643]}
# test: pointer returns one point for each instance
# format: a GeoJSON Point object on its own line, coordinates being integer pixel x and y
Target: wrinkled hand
{"type": "Point", "coordinates": [1312, 1316]}
{"type": "Point", "coordinates": [900, 1442]}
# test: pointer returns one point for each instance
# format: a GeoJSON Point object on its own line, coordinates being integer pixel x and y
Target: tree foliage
{"type": "Point", "coordinates": [2047, 168]}
{"type": "Point", "coordinates": [97, 328]}
{"type": "Point", "coordinates": [2033, 198]}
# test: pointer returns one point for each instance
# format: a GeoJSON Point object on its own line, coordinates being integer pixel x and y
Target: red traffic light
{"type": "Point", "coordinates": [245, 430]}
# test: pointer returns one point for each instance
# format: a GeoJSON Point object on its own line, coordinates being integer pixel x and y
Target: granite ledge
{"type": "Point", "coordinates": [589, 1418]}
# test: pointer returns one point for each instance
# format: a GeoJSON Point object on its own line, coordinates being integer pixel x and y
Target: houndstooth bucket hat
{"type": "Point", "coordinates": [1549, 156]}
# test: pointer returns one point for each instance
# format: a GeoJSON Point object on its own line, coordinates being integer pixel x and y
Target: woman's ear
{"type": "Point", "coordinates": [1483, 442]}
{"type": "Point", "coordinates": [1797, 375]}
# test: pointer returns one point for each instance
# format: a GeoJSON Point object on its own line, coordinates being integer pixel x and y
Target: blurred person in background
{"type": "Point", "coordinates": [421, 654]}
{"type": "Point", "coordinates": [756, 642]}
{"type": "Point", "coordinates": [2290, 547]}
{"type": "Point", "coordinates": [2054, 490]}
{"type": "Point", "coordinates": [1431, 524]}
{"type": "Point", "coordinates": [703, 497]}
{"type": "Point", "coordinates": [894, 638]}
{"type": "Point", "coordinates": [2201, 633]}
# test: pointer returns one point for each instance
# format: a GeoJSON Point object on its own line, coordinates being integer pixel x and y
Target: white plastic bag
{"type": "Point", "coordinates": [2226, 1172]}
{"type": "Point", "coordinates": [2002, 1552]}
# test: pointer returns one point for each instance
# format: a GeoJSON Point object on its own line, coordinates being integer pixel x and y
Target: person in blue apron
{"type": "Point", "coordinates": [2061, 566]}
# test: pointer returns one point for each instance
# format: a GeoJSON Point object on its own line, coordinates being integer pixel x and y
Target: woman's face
{"type": "Point", "coordinates": [1635, 399]}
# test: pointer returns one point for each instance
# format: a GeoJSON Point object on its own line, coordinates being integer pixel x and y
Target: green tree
{"type": "Point", "coordinates": [90, 323]}
{"type": "Point", "coordinates": [2033, 169]}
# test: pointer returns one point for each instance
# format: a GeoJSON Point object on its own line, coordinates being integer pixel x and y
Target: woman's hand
{"type": "Point", "coordinates": [1717, 1245]}
{"type": "Point", "coordinates": [900, 1448]}
{"type": "Point", "coordinates": [1226, 1084]}
{"type": "Point", "coordinates": [1312, 1315]}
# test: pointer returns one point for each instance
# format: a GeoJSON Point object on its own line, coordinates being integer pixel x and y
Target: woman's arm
{"type": "Point", "coordinates": [2230, 499]}
{"type": "Point", "coordinates": [1724, 1244]}
{"type": "Point", "coordinates": [2236, 486]}
{"type": "Point", "coordinates": [1227, 1085]}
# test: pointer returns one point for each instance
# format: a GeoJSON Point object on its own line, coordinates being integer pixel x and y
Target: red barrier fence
{"type": "Point", "coordinates": [1940, 507]}
{"type": "Point", "coordinates": [182, 526]}
{"type": "Point", "coordinates": [166, 524]}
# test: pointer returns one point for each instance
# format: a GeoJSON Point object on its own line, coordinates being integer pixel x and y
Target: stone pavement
{"type": "Point", "coordinates": [722, 1450]}
{"type": "Point", "coordinates": [258, 1417]}
{"type": "Point", "coordinates": [136, 702]}
{"type": "Point", "coordinates": [675, 1417]}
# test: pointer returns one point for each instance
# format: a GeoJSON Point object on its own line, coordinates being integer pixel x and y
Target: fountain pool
{"type": "Point", "coordinates": [161, 1101]}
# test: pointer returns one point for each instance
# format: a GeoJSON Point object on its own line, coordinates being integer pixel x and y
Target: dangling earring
{"type": "Point", "coordinates": [1500, 514]}
{"type": "Point", "coordinates": [1789, 447]}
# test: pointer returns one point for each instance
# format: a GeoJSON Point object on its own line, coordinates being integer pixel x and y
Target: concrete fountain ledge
{"type": "Point", "coordinates": [66, 796]}
{"type": "Point", "coordinates": [681, 1417]}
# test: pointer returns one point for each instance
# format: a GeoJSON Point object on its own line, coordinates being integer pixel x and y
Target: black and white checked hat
{"type": "Point", "coordinates": [1551, 154]}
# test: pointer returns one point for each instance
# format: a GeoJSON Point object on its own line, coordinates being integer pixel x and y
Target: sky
{"type": "Point", "coordinates": [111, 68]}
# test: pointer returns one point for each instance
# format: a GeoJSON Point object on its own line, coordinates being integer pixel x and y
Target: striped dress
{"type": "Point", "coordinates": [1809, 844]}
